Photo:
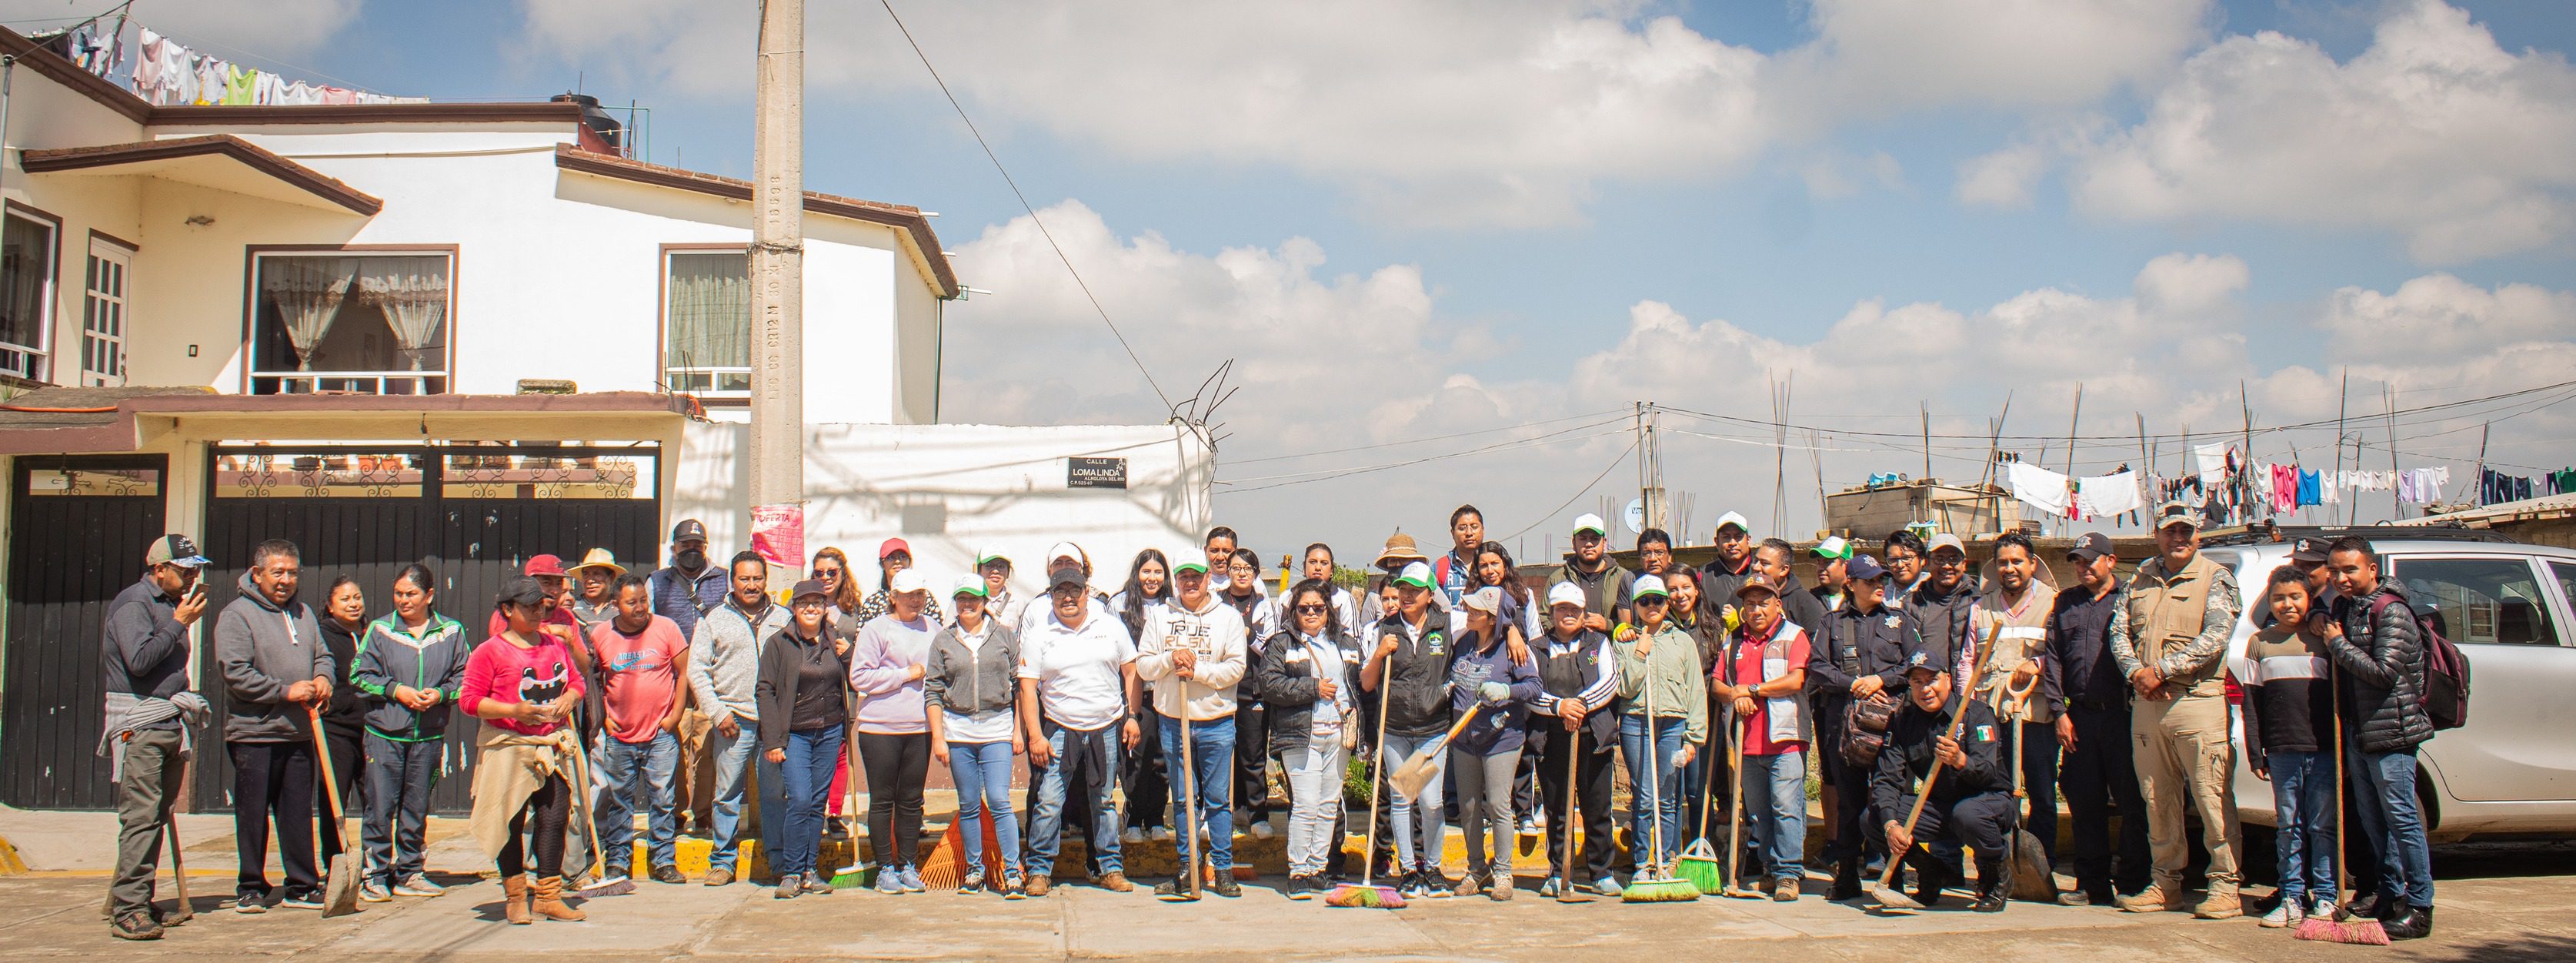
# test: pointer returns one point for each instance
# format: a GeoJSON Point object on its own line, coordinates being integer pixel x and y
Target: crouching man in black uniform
{"type": "Point", "coordinates": [1971, 803]}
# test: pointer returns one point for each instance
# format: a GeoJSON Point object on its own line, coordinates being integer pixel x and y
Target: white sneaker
{"type": "Point", "coordinates": [1262, 830]}
{"type": "Point", "coordinates": [1160, 834]}
{"type": "Point", "coordinates": [1132, 836]}
{"type": "Point", "coordinates": [418, 885]}
{"type": "Point", "coordinates": [2285, 915]}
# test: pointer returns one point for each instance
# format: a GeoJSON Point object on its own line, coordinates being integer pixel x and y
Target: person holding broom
{"type": "Point", "coordinates": [2377, 647]}
{"type": "Point", "coordinates": [524, 684]}
{"type": "Point", "coordinates": [1572, 733]}
{"type": "Point", "coordinates": [1409, 667]}
{"type": "Point", "coordinates": [1193, 655]}
{"type": "Point", "coordinates": [1759, 679]}
{"type": "Point", "coordinates": [1309, 672]}
{"type": "Point", "coordinates": [1970, 800]}
{"type": "Point", "coordinates": [1658, 655]}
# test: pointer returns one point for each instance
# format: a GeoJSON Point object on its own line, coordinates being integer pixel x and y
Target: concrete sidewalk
{"type": "Point", "coordinates": [2499, 916]}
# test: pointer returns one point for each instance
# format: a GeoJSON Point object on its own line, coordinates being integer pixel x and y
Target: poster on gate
{"type": "Point", "coordinates": [778, 534]}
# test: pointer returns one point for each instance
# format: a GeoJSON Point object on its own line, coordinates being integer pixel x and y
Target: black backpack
{"type": "Point", "coordinates": [2445, 692]}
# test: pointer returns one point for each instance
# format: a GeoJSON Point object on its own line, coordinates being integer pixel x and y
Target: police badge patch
{"type": "Point", "coordinates": [1893, 620]}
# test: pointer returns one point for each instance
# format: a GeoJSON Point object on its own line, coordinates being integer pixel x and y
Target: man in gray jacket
{"type": "Point", "coordinates": [274, 664]}
{"type": "Point", "coordinates": [723, 670]}
{"type": "Point", "coordinates": [149, 709]}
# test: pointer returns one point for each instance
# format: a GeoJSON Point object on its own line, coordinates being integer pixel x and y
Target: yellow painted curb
{"type": "Point", "coordinates": [10, 864]}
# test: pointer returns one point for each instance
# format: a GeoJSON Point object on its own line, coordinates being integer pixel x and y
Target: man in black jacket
{"type": "Point", "coordinates": [1578, 678]}
{"type": "Point", "coordinates": [2377, 648]}
{"type": "Point", "coordinates": [1865, 644]}
{"type": "Point", "coordinates": [2083, 687]}
{"type": "Point", "coordinates": [1971, 802]}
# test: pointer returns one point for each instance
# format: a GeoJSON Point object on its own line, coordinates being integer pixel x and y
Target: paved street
{"type": "Point", "coordinates": [2498, 902]}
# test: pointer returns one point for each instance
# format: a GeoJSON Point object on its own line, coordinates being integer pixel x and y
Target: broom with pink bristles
{"type": "Point", "coordinates": [2340, 928]}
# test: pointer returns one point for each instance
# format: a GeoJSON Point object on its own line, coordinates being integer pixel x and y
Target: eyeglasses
{"type": "Point", "coordinates": [1312, 610]}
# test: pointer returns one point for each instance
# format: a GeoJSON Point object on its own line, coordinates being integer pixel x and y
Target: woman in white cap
{"type": "Point", "coordinates": [803, 710]}
{"type": "Point", "coordinates": [972, 691]}
{"type": "Point", "coordinates": [887, 666]}
{"type": "Point", "coordinates": [1662, 656]}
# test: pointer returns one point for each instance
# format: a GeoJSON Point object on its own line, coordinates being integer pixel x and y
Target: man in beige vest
{"type": "Point", "coordinates": [2170, 638]}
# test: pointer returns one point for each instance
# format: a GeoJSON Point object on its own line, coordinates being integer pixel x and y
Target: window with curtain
{"type": "Point", "coordinates": [26, 294]}
{"type": "Point", "coordinates": [366, 323]}
{"type": "Point", "coordinates": [706, 336]}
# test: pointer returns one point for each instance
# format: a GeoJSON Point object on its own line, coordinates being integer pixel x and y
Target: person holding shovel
{"type": "Point", "coordinates": [1193, 654]}
{"type": "Point", "coordinates": [1759, 681]}
{"type": "Point", "coordinates": [2014, 609]}
{"type": "Point", "coordinates": [1970, 800]}
{"type": "Point", "coordinates": [1659, 654]}
{"type": "Point", "coordinates": [1486, 681]}
{"type": "Point", "coordinates": [269, 650]}
{"type": "Point", "coordinates": [149, 709]}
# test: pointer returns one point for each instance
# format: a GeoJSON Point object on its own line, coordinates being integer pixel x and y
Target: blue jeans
{"type": "Point", "coordinates": [734, 760]}
{"type": "Point", "coordinates": [1053, 783]}
{"type": "Point", "coordinates": [1212, 765]}
{"type": "Point", "coordinates": [982, 772]}
{"type": "Point", "coordinates": [1775, 799]}
{"type": "Point", "coordinates": [806, 780]}
{"type": "Point", "coordinates": [1417, 823]}
{"type": "Point", "coordinates": [2303, 807]}
{"type": "Point", "coordinates": [2395, 827]}
{"type": "Point", "coordinates": [400, 776]}
{"type": "Point", "coordinates": [1666, 780]}
{"type": "Point", "coordinates": [637, 775]}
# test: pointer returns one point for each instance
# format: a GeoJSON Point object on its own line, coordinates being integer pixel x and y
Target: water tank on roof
{"type": "Point", "coordinates": [600, 123]}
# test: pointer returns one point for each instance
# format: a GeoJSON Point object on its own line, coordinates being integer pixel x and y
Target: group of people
{"type": "Point", "coordinates": [1157, 710]}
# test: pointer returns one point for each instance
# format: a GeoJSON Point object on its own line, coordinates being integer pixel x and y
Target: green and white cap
{"type": "Point", "coordinates": [1415, 574]}
{"type": "Point", "coordinates": [1588, 522]}
{"type": "Point", "coordinates": [1648, 585]}
{"type": "Point", "coordinates": [970, 584]}
{"type": "Point", "coordinates": [1190, 565]}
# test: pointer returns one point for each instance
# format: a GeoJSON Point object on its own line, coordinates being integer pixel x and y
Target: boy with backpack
{"type": "Point", "coordinates": [2377, 645]}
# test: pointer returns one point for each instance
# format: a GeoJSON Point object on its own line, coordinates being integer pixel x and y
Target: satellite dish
{"type": "Point", "coordinates": [1634, 516]}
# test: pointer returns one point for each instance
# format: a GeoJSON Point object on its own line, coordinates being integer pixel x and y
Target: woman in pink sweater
{"type": "Point", "coordinates": [887, 664]}
{"type": "Point", "coordinates": [524, 685]}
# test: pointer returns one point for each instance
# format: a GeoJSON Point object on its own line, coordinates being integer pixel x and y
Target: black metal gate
{"type": "Point", "coordinates": [78, 529]}
{"type": "Point", "coordinates": [474, 515]}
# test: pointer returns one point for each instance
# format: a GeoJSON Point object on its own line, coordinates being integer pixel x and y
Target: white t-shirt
{"type": "Point", "coordinates": [993, 726]}
{"type": "Point", "coordinates": [1079, 685]}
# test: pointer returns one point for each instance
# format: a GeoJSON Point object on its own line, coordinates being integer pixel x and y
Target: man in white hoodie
{"type": "Point", "coordinates": [1193, 652]}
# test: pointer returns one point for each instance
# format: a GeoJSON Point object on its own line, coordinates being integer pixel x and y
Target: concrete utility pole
{"type": "Point", "coordinates": [778, 260]}
{"type": "Point", "coordinates": [1650, 468]}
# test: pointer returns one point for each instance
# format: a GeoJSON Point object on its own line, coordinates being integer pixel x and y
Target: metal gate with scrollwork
{"type": "Point", "coordinates": [473, 513]}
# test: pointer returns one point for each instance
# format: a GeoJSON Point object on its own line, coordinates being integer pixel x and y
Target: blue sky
{"type": "Point", "coordinates": [1811, 164]}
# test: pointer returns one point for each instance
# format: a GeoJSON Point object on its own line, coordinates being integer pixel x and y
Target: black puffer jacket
{"type": "Point", "coordinates": [2382, 665]}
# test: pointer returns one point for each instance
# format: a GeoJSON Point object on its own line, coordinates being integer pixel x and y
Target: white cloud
{"type": "Point", "coordinates": [1875, 57]}
{"type": "Point", "coordinates": [1444, 113]}
{"type": "Point", "coordinates": [2433, 133]}
{"type": "Point", "coordinates": [251, 31]}
{"type": "Point", "coordinates": [2443, 316]}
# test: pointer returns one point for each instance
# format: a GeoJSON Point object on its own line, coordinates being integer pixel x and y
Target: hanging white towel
{"type": "Point", "coordinates": [2040, 488]}
{"type": "Point", "coordinates": [2108, 495]}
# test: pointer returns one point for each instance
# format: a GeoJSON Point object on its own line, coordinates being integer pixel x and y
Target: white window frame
{"type": "Point", "coordinates": [698, 380]}
{"type": "Point", "coordinates": [34, 362]}
{"type": "Point", "coordinates": [355, 382]}
{"type": "Point", "coordinates": [97, 303]}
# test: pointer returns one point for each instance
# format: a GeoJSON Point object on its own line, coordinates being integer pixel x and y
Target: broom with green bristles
{"type": "Point", "coordinates": [1654, 882]}
{"type": "Point", "coordinates": [855, 874]}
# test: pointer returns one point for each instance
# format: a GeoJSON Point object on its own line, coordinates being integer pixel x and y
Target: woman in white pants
{"type": "Point", "coordinates": [1309, 676]}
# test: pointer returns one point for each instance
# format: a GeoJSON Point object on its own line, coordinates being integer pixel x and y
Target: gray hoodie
{"type": "Point", "coordinates": [262, 649]}
{"type": "Point", "coordinates": [724, 658]}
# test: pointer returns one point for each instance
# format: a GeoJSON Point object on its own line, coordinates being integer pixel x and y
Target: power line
{"type": "Point", "coordinates": [1173, 409]}
{"type": "Point", "coordinates": [1578, 493]}
{"type": "Point", "coordinates": [1416, 441]}
{"type": "Point", "coordinates": [1322, 474]}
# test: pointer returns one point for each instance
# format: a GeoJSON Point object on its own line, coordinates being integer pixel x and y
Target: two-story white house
{"type": "Point", "coordinates": [461, 333]}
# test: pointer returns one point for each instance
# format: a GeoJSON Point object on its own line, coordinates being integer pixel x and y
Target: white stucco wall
{"type": "Point", "coordinates": [949, 490]}
{"type": "Point", "coordinates": [557, 274]}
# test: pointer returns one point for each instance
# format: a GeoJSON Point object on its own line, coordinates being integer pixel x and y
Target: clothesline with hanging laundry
{"type": "Point", "coordinates": [166, 73]}
{"type": "Point", "coordinates": [2495, 487]}
{"type": "Point", "coordinates": [2074, 499]}
{"type": "Point", "coordinates": [2225, 488]}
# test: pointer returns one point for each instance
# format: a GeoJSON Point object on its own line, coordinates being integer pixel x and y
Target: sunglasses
{"type": "Point", "coordinates": [1312, 610]}
{"type": "Point", "coordinates": [1653, 600]}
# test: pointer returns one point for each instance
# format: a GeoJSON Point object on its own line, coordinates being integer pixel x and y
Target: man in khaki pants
{"type": "Point", "coordinates": [2170, 638]}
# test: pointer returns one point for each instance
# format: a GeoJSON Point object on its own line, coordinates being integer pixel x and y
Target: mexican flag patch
{"type": "Point", "coordinates": [1985, 734]}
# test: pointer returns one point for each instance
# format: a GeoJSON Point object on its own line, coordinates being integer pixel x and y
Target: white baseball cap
{"type": "Point", "coordinates": [1588, 522]}
{"type": "Point", "coordinates": [1066, 550]}
{"type": "Point", "coordinates": [908, 580]}
{"type": "Point", "coordinates": [988, 555]}
{"type": "Point", "coordinates": [1736, 519]}
{"type": "Point", "coordinates": [1566, 593]}
{"type": "Point", "coordinates": [1415, 574]}
{"type": "Point", "coordinates": [969, 584]}
{"type": "Point", "coordinates": [1648, 585]}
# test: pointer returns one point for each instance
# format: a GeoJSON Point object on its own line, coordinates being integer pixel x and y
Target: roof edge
{"type": "Point", "coordinates": [257, 158]}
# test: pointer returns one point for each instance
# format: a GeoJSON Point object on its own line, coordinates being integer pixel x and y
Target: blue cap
{"type": "Point", "coordinates": [1864, 568]}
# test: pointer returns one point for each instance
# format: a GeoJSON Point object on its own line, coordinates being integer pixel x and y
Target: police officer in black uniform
{"type": "Point", "coordinates": [1971, 803]}
{"type": "Point", "coordinates": [1864, 647]}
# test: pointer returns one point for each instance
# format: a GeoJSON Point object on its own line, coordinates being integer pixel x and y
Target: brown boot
{"type": "Point", "coordinates": [514, 899]}
{"type": "Point", "coordinates": [550, 904]}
